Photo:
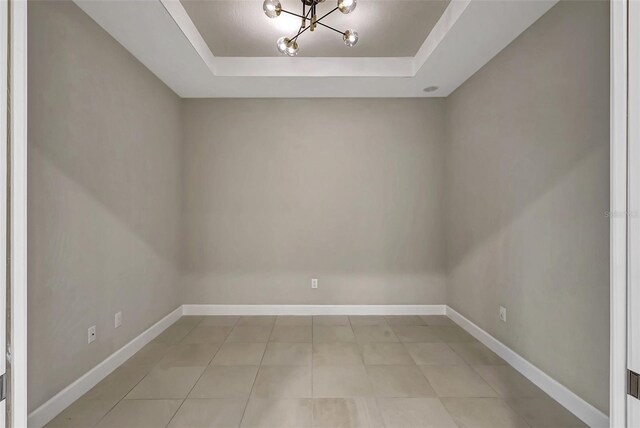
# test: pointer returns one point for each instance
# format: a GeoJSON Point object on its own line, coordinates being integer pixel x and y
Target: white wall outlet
{"type": "Point", "coordinates": [118, 319]}
{"type": "Point", "coordinates": [314, 283]}
{"type": "Point", "coordinates": [91, 333]}
{"type": "Point", "coordinates": [503, 314]}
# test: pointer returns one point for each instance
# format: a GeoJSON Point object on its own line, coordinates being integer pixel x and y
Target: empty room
{"type": "Point", "coordinates": [310, 213]}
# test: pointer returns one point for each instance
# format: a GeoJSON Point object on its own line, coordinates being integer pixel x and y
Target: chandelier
{"type": "Point", "coordinates": [289, 46]}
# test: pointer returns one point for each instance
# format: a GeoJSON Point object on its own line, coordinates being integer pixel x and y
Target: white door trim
{"type": "Point", "coordinates": [618, 213]}
{"type": "Point", "coordinates": [633, 201]}
{"type": "Point", "coordinates": [18, 212]}
{"type": "Point", "coordinates": [4, 68]}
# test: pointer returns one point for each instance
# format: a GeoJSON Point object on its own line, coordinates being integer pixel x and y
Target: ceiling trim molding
{"type": "Point", "coordinates": [278, 66]}
{"type": "Point", "coordinates": [182, 19]}
{"type": "Point", "coordinates": [450, 16]}
{"type": "Point", "coordinates": [161, 35]}
{"type": "Point", "coordinates": [314, 67]}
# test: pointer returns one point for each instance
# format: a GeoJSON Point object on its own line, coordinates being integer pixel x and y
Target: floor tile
{"type": "Point", "coordinates": [291, 333]}
{"type": "Point", "coordinates": [294, 320]}
{"type": "Point", "coordinates": [452, 333]}
{"type": "Point", "coordinates": [374, 333]}
{"type": "Point", "coordinates": [385, 353]}
{"type": "Point", "coordinates": [476, 354]}
{"type": "Point", "coordinates": [416, 333]}
{"type": "Point", "coordinates": [457, 381]}
{"type": "Point", "coordinates": [302, 370]}
{"type": "Point", "coordinates": [190, 355]}
{"type": "Point", "coordinates": [336, 353]}
{"type": "Point", "coordinates": [149, 355]}
{"type": "Point", "coordinates": [220, 320]}
{"type": "Point", "coordinates": [209, 413]}
{"type": "Point", "coordinates": [433, 354]}
{"type": "Point", "coordinates": [118, 384]}
{"type": "Point", "coordinates": [346, 413]}
{"type": "Point", "coordinates": [264, 320]}
{"type": "Point", "coordinates": [166, 382]}
{"type": "Point", "coordinates": [225, 382]}
{"type": "Point", "coordinates": [482, 412]}
{"type": "Point", "coordinates": [83, 413]}
{"type": "Point", "coordinates": [279, 413]}
{"type": "Point", "coordinates": [249, 333]}
{"type": "Point", "coordinates": [333, 333]}
{"type": "Point", "coordinates": [405, 320]}
{"type": "Point", "coordinates": [415, 413]}
{"type": "Point", "coordinates": [207, 334]}
{"type": "Point", "coordinates": [240, 354]}
{"type": "Point", "coordinates": [192, 320]}
{"type": "Point", "coordinates": [283, 354]}
{"type": "Point", "coordinates": [283, 382]}
{"type": "Point", "coordinates": [368, 320]}
{"type": "Point", "coordinates": [141, 413]}
{"type": "Point", "coordinates": [173, 334]}
{"type": "Point", "coordinates": [341, 381]}
{"type": "Point", "coordinates": [331, 320]}
{"type": "Point", "coordinates": [508, 382]}
{"type": "Point", "coordinates": [437, 320]}
{"type": "Point", "coordinates": [399, 381]}
{"type": "Point", "coordinates": [544, 413]}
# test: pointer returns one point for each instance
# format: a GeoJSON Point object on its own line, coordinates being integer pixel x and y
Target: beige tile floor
{"type": "Point", "coordinates": [333, 371]}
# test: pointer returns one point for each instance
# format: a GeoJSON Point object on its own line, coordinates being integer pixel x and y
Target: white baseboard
{"type": "Point", "coordinates": [49, 410]}
{"type": "Point", "coordinates": [576, 405]}
{"type": "Point", "coordinates": [314, 309]}
{"type": "Point", "coordinates": [583, 410]}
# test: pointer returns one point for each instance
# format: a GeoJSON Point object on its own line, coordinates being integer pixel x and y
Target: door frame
{"type": "Point", "coordinates": [619, 213]}
{"type": "Point", "coordinates": [17, 211]}
{"type": "Point", "coordinates": [4, 68]}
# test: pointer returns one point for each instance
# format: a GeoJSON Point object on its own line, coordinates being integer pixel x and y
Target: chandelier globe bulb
{"type": "Point", "coordinates": [272, 8]}
{"type": "Point", "coordinates": [347, 6]}
{"type": "Point", "coordinates": [292, 48]}
{"type": "Point", "coordinates": [282, 43]}
{"type": "Point", "coordinates": [350, 37]}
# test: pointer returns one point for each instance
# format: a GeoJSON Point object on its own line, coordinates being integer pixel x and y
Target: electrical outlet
{"type": "Point", "coordinates": [314, 283]}
{"type": "Point", "coordinates": [503, 314]}
{"type": "Point", "coordinates": [118, 319]}
{"type": "Point", "coordinates": [91, 334]}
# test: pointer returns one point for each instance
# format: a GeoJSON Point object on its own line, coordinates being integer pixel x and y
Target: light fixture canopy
{"type": "Point", "coordinates": [289, 46]}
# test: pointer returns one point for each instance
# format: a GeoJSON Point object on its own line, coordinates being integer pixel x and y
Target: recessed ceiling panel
{"type": "Point", "coordinates": [394, 28]}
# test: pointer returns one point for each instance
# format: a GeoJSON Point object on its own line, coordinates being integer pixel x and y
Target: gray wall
{"type": "Point", "coordinates": [528, 189]}
{"type": "Point", "coordinates": [104, 196]}
{"type": "Point", "coordinates": [514, 164]}
{"type": "Point", "coordinates": [345, 190]}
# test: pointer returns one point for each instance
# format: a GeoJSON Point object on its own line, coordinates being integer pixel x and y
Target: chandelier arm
{"type": "Point", "coordinates": [317, 22]}
{"type": "Point", "coordinates": [294, 14]}
{"type": "Point", "coordinates": [300, 32]}
{"type": "Point", "coordinates": [326, 14]}
{"type": "Point", "coordinates": [330, 28]}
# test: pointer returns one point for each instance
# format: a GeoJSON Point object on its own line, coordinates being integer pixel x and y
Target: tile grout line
{"type": "Point", "coordinates": [244, 412]}
{"type": "Point", "coordinates": [201, 374]}
{"type": "Point", "coordinates": [143, 377]}
{"type": "Point", "coordinates": [446, 340]}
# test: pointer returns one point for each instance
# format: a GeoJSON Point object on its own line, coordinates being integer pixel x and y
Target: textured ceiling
{"type": "Point", "coordinates": [387, 28]}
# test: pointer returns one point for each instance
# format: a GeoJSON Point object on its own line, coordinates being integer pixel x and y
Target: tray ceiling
{"type": "Point", "coordinates": [188, 47]}
{"type": "Point", "coordinates": [394, 28]}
